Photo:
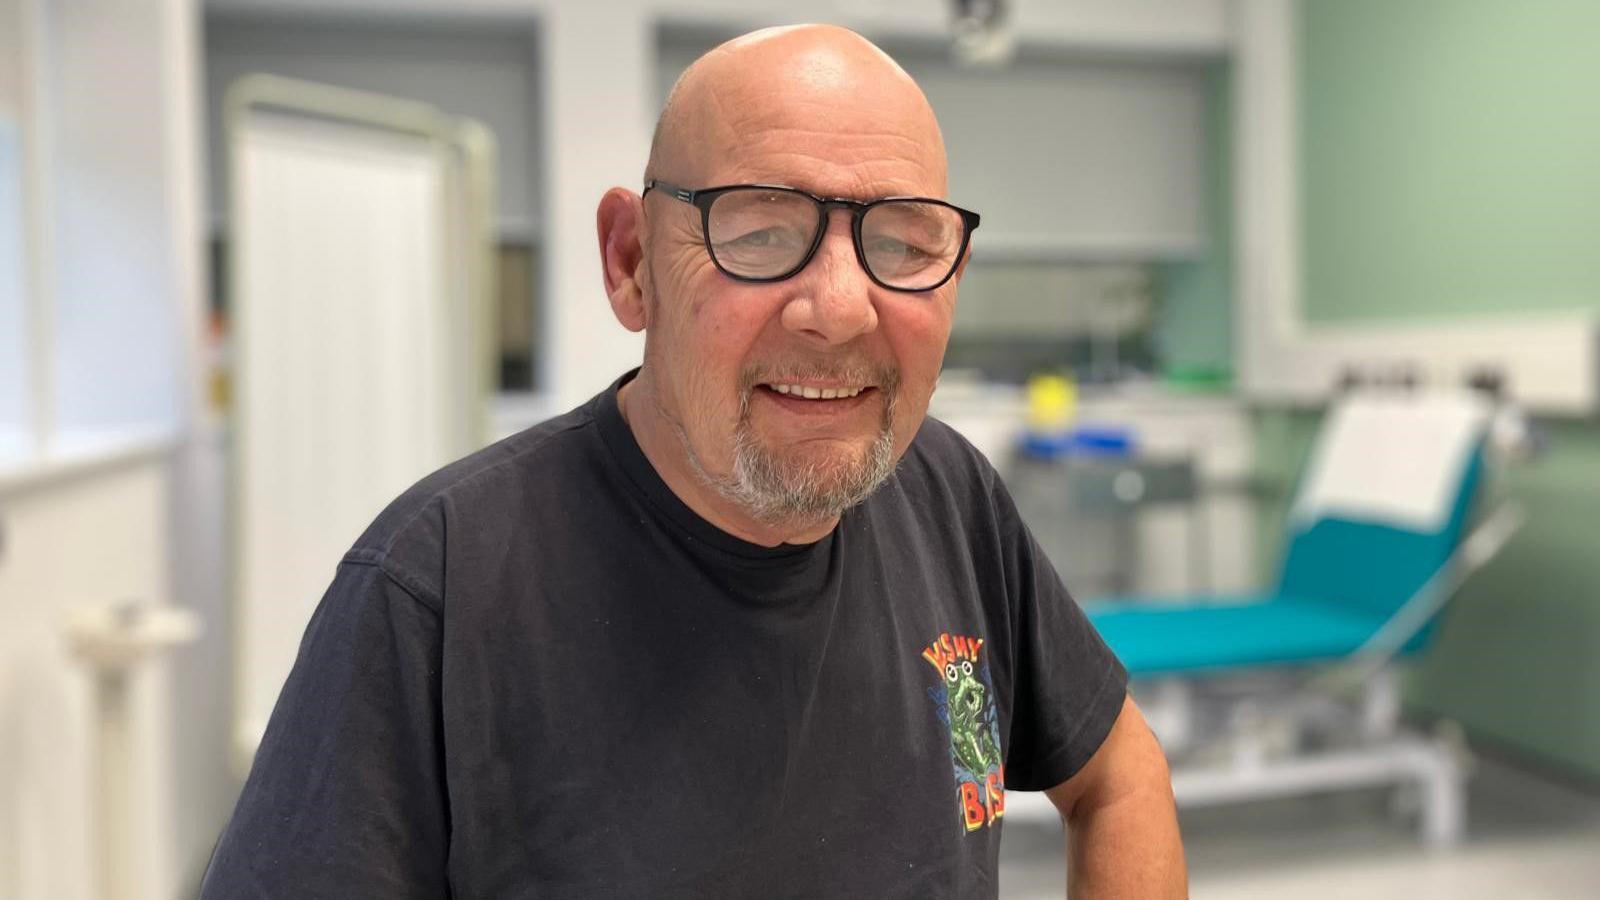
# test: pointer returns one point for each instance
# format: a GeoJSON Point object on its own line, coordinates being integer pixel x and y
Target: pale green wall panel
{"type": "Point", "coordinates": [1518, 658]}
{"type": "Point", "coordinates": [1452, 149]}
{"type": "Point", "coordinates": [1195, 328]}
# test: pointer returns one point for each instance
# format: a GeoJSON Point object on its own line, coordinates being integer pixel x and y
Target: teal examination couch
{"type": "Point", "coordinates": [1377, 540]}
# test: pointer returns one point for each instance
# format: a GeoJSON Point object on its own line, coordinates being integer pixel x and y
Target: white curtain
{"type": "Point", "coordinates": [354, 321]}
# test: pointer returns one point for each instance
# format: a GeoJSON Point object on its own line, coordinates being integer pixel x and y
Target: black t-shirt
{"type": "Point", "coordinates": [540, 674]}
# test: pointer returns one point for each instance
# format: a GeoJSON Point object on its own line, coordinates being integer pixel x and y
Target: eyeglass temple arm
{"type": "Point", "coordinates": [683, 194]}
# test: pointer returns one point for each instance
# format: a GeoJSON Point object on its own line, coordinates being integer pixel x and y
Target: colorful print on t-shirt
{"type": "Point", "coordinates": [965, 702]}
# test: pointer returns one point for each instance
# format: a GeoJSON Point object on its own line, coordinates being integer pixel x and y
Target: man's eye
{"type": "Point", "coordinates": [895, 248]}
{"type": "Point", "coordinates": [763, 238]}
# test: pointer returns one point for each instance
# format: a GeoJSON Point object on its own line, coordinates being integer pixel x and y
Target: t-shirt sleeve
{"type": "Point", "coordinates": [1069, 686]}
{"type": "Point", "coordinates": [346, 796]}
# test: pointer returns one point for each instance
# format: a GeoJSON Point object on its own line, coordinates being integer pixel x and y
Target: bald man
{"type": "Point", "coordinates": [746, 624]}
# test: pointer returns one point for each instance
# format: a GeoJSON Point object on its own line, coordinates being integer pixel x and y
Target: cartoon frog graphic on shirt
{"type": "Point", "coordinates": [971, 740]}
{"type": "Point", "coordinates": [965, 703]}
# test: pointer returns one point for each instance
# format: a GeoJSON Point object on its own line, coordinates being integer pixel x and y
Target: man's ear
{"type": "Point", "coordinates": [620, 223]}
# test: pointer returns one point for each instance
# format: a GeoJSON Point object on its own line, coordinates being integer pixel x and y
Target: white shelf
{"type": "Point", "coordinates": [78, 453]}
{"type": "Point", "coordinates": [1550, 361]}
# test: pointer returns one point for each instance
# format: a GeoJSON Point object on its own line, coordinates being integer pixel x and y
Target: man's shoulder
{"type": "Point", "coordinates": [412, 526]}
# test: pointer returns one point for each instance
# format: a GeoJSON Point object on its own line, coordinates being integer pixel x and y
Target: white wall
{"type": "Point", "coordinates": [112, 277]}
{"type": "Point", "coordinates": [10, 58]}
{"type": "Point", "coordinates": [16, 427]}
{"type": "Point", "coordinates": [100, 92]}
{"type": "Point", "coordinates": [15, 403]}
{"type": "Point", "coordinates": [598, 78]}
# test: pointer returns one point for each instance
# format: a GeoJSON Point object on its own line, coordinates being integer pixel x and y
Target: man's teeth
{"type": "Point", "coordinates": [813, 393]}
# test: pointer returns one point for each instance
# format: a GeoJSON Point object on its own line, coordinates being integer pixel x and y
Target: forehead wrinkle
{"type": "Point", "coordinates": [911, 148]}
{"type": "Point", "coordinates": [886, 153]}
{"type": "Point", "coordinates": [722, 115]}
{"type": "Point", "coordinates": [839, 114]}
{"type": "Point", "coordinates": [879, 159]}
{"type": "Point", "coordinates": [825, 179]}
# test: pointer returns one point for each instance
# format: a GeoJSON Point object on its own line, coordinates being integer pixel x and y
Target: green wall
{"type": "Point", "coordinates": [1518, 660]}
{"type": "Point", "coordinates": [1195, 327]}
{"type": "Point", "coordinates": [1453, 155]}
{"type": "Point", "coordinates": [1451, 164]}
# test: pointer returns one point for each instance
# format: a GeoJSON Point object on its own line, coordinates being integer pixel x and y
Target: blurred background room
{"type": "Point", "coordinates": [1283, 326]}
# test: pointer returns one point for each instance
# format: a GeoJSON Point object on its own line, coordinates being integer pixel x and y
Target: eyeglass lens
{"type": "Point", "coordinates": [759, 233]}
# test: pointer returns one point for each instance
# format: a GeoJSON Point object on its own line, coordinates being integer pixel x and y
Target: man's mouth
{"type": "Point", "coordinates": [817, 392]}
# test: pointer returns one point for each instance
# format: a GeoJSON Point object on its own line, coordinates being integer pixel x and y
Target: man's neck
{"type": "Point", "coordinates": [664, 449]}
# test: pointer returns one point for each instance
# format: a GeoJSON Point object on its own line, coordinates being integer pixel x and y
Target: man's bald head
{"type": "Point", "coordinates": [755, 88]}
{"type": "Point", "coordinates": [822, 110]}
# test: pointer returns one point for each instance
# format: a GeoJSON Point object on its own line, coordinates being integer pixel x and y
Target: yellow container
{"type": "Point", "coordinates": [1052, 402]}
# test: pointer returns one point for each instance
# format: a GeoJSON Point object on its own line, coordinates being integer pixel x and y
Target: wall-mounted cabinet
{"type": "Point", "coordinates": [1075, 159]}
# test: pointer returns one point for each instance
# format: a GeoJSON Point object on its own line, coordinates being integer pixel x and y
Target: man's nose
{"type": "Point", "coordinates": [833, 300]}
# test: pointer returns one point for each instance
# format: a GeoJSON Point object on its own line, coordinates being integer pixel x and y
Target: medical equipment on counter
{"type": "Point", "coordinates": [1250, 695]}
{"type": "Point", "coordinates": [1081, 486]}
{"type": "Point", "coordinates": [1169, 544]}
{"type": "Point", "coordinates": [1084, 506]}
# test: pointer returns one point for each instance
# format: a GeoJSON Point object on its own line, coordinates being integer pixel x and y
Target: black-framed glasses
{"type": "Point", "coordinates": [767, 232]}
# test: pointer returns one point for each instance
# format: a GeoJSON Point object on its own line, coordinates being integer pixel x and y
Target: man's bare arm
{"type": "Point", "coordinates": [1122, 825]}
